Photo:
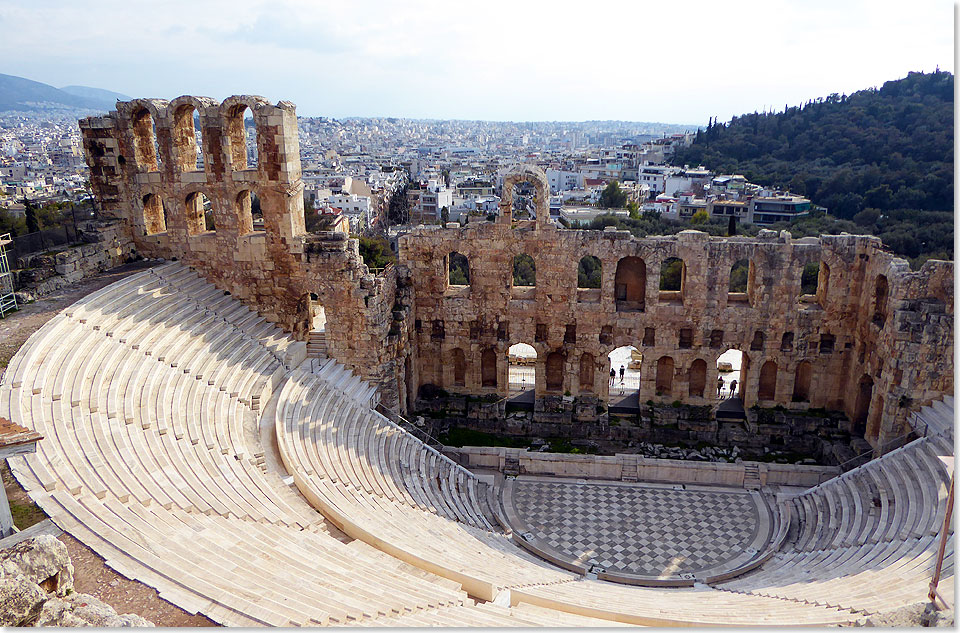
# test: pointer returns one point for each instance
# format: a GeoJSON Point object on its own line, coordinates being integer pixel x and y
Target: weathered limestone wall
{"type": "Point", "coordinates": [903, 359]}
{"type": "Point", "coordinates": [143, 166]}
{"type": "Point", "coordinates": [875, 359]}
{"type": "Point", "coordinates": [41, 274]}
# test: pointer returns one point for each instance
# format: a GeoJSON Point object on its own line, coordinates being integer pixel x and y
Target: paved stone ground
{"type": "Point", "coordinates": [638, 529]}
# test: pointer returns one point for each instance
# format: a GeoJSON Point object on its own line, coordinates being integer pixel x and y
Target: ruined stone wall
{"type": "Point", "coordinates": [408, 327]}
{"type": "Point", "coordinates": [907, 356]}
{"type": "Point", "coordinates": [144, 173]}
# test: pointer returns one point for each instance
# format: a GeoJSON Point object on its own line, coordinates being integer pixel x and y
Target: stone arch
{"type": "Point", "coordinates": [523, 360]}
{"type": "Point", "coordinates": [458, 269]}
{"type": "Point", "coordinates": [145, 148]}
{"type": "Point", "coordinates": [524, 271]}
{"type": "Point", "coordinates": [881, 292]}
{"type": "Point", "coordinates": [697, 378]}
{"type": "Point", "coordinates": [233, 111]}
{"type": "Point", "coordinates": [197, 215]}
{"type": "Point", "coordinates": [588, 365]}
{"type": "Point", "coordinates": [861, 409]}
{"type": "Point", "coordinates": [733, 364]}
{"type": "Point", "coordinates": [154, 214]}
{"type": "Point", "coordinates": [630, 284]}
{"type": "Point", "coordinates": [186, 125]}
{"type": "Point", "coordinates": [767, 387]}
{"type": "Point", "coordinates": [243, 208]}
{"type": "Point", "coordinates": [488, 368]}
{"type": "Point", "coordinates": [459, 361]}
{"type": "Point", "coordinates": [554, 373]}
{"type": "Point", "coordinates": [801, 381]}
{"type": "Point", "coordinates": [536, 177]}
{"type": "Point", "coordinates": [664, 383]}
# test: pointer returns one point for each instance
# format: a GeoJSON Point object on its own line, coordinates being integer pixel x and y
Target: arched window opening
{"type": "Point", "coordinates": [555, 371]}
{"type": "Point", "coordinates": [810, 280]}
{"type": "Point", "coordinates": [199, 214]}
{"type": "Point", "coordinates": [459, 367]}
{"type": "Point", "coordinates": [664, 376]}
{"type": "Point", "coordinates": [786, 342]}
{"type": "Point", "coordinates": [488, 368]}
{"type": "Point", "coordinates": [524, 271]}
{"type": "Point", "coordinates": [673, 274]}
{"type": "Point", "coordinates": [521, 367]}
{"type": "Point", "coordinates": [730, 368]}
{"type": "Point", "coordinates": [187, 138]}
{"type": "Point", "coordinates": [458, 270]}
{"type": "Point", "coordinates": [823, 282]}
{"type": "Point", "coordinates": [630, 285]}
{"type": "Point", "coordinates": [244, 210]}
{"type": "Point", "coordinates": [145, 148]}
{"type": "Point", "coordinates": [801, 382]}
{"type": "Point", "coordinates": [767, 389]}
{"type": "Point", "coordinates": [739, 283]}
{"type": "Point", "coordinates": [880, 293]}
{"type": "Point", "coordinates": [242, 131]}
{"type": "Point", "coordinates": [861, 410]}
{"type": "Point", "coordinates": [589, 272]}
{"type": "Point", "coordinates": [697, 378]}
{"type": "Point", "coordinates": [587, 372]}
{"type": "Point", "coordinates": [154, 215]}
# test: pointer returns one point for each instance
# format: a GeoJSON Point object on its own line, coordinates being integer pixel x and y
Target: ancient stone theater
{"type": "Point", "coordinates": [228, 426]}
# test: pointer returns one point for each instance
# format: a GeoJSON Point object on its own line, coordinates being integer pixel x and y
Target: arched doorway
{"type": "Point", "coordinates": [729, 387]}
{"type": "Point", "coordinates": [624, 387]}
{"type": "Point", "coordinates": [862, 409]}
{"type": "Point", "coordinates": [522, 373]}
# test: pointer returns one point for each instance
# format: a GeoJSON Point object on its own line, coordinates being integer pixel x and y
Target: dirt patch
{"type": "Point", "coordinates": [92, 576]}
{"type": "Point", "coordinates": [16, 328]}
{"type": "Point", "coordinates": [24, 511]}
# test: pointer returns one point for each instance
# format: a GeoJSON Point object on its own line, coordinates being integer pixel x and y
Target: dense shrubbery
{"type": "Point", "coordinates": [882, 160]}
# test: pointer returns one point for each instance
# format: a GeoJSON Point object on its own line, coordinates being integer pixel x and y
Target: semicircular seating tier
{"type": "Point", "coordinates": [149, 395]}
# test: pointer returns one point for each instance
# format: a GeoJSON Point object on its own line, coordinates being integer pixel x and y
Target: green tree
{"type": "Point", "coordinates": [459, 270]}
{"type": "Point", "coordinates": [524, 271]}
{"type": "Point", "coordinates": [444, 215]}
{"type": "Point", "coordinates": [588, 272]}
{"type": "Point", "coordinates": [671, 274]}
{"type": "Point", "coordinates": [30, 212]}
{"type": "Point", "coordinates": [700, 217]}
{"type": "Point", "coordinates": [808, 278]}
{"type": "Point", "coordinates": [634, 209]}
{"type": "Point", "coordinates": [376, 252]}
{"type": "Point", "coordinates": [612, 197]}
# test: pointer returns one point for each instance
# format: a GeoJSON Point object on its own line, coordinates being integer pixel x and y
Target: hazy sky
{"type": "Point", "coordinates": [675, 62]}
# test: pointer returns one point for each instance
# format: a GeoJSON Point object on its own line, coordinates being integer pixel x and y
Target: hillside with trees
{"type": "Point", "coordinates": [881, 159]}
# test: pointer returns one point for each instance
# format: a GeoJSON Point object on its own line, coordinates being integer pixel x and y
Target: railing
{"type": "Point", "coordinates": [887, 447]}
{"type": "Point", "coordinates": [409, 427]}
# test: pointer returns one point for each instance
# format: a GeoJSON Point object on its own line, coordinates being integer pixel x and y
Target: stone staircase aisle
{"type": "Point", "coordinates": [317, 344]}
{"type": "Point", "coordinates": [751, 476]}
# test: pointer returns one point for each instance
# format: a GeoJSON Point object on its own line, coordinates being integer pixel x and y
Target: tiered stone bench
{"type": "Point", "coordinates": [149, 392]}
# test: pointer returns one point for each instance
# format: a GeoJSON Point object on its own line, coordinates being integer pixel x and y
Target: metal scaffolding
{"type": "Point", "coordinates": [8, 300]}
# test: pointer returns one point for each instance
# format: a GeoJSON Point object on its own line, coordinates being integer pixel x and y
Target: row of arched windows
{"type": "Point", "coordinates": [187, 139]}
{"type": "Point", "coordinates": [554, 367]}
{"type": "Point", "coordinates": [199, 213]}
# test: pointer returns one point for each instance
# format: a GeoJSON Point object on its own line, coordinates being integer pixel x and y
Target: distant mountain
{"type": "Point", "coordinates": [107, 97]}
{"type": "Point", "coordinates": [17, 93]}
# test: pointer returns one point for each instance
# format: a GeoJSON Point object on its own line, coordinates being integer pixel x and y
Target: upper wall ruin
{"type": "Point", "coordinates": [875, 340]}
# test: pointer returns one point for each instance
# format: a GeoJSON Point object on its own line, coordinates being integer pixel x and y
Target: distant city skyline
{"type": "Point", "coordinates": [680, 63]}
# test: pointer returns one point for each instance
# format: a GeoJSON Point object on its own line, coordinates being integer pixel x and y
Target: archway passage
{"type": "Point", "coordinates": [731, 371]}
{"type": "Point", "coordinates": [521, 369]}
{"type": "Point", "coordinates": [624, 390]}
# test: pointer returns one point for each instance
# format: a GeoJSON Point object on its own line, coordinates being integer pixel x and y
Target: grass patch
{"type": "Point", "coordinates": [26, 514]}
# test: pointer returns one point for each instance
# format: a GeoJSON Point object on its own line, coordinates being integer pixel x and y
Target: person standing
{"type": "Point", "coordinates": [733, 388]}
{"type": "Point", "coordinates": [613, 376]}
{"type": "Point", "coordinates": [622, 370]}
{"type": "Point", "coordinates": [719, 386]}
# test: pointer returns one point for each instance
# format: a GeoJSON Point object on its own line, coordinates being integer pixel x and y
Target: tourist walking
{"type": "Point", "coordinates": [613, 376]}
{"type": "Point", "coordinates": [622, 370]}
{"type": "Point", "coordinates": [733, 388]}
{"type": "Point", "coordinates": [720, 386]}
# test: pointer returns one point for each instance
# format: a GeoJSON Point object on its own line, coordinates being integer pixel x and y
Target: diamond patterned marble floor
{"type": "Point", "coordinates": [637, 528]}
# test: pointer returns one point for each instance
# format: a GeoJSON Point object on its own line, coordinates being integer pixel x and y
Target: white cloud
{"type": "Point", "coordinates": [678, 62]}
